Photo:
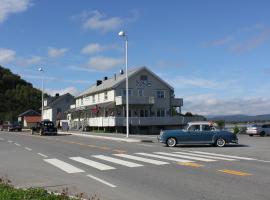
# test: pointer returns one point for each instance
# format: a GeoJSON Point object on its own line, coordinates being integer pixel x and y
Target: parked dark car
{"type": "Point", "coordinates": [10, 126]}
{"type": "Point", "coordinates": [197, 133]}
{"type": "Point", "coordinates": [45, 128]}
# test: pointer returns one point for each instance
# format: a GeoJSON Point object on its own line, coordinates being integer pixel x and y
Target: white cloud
{"type": "Point", "coordinates": [219, 42]}
{"type": "Point", "coordinates": [252, 43]}
{"type": "Point", "coordinates": [93, 48]}
{"type": "Point", "coordinates": [98, 21]}
{"type": "Point", "coordinates": [101, 63]}
{"type": "Point", "coordinates": [193, 82]}
{"type": "Point", "coordinates": [71, 90]}
{"type": "Point", "coordinates": [56, 52]}
{"type": "Point", "coordinates": [33, 60]}
{"type": "Point", "coordinates": [6, 55]}
{"type": "Point", "coordinates": [209, 104]}
{"type": "Point", "coordinates": [8, 7]}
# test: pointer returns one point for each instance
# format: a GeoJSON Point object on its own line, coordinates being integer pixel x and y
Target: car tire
{"type": "Point", "coordinates": [220, 142]}
{"type": "Point", "coordinates": [250, 135]}
{"type": "Point", "coordinates": [171, 142]}
{"type": "Point", "coordinates": [262, 134]}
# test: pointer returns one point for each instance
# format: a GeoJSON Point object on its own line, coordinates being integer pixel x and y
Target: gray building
{"type": "Point", "coordinates": [55, 107]}
{"type": "Point", "coordinates": [152, 104]}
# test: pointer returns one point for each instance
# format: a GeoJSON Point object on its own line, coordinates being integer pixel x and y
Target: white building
{"type": "Point", "coordinates": [152, 104]}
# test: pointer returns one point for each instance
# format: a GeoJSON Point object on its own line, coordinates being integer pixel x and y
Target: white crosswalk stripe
{"type": "Point", "coordinates": [185, 156]}
{"type": "Point", "coordinates": [222, 155]}
{"type": "Point", "coordinates": [92, 163]}
{"type": "Point", "coordinates": [205, 156]}
{"type": "Point", "coordinates": [146, 160]}
{"type": "Point", "coordinates": [163, 157]}
{"type": "Point", "coordinates": [117, 161]}
{"type": "Point", "coordinates": [63, 166]}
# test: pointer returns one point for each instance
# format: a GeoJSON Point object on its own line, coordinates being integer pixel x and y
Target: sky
{"type": "Point", "coordinates": [216, 54]}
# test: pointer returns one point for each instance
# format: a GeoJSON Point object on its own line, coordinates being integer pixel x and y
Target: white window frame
{"type": "Point", "coordinates": [159, 95]}
{"type": "Point", "coordinates": [139, 92]}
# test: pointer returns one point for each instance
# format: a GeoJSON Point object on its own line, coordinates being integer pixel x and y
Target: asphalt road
{"type": "Point", "coordinates": [140, 170]}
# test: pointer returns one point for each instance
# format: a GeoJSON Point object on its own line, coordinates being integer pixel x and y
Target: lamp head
{"type": "Point", "coordinates": [122, 34]}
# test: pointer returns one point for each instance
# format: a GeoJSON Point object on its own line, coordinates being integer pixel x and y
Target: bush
{"type": "Point", "coordinates": [236, 129]}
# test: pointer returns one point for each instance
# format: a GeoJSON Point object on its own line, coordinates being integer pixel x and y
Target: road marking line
{"type": "Point", "coordinates": [92, 163]}
{"type": "Point", "coordinates": [196, 165]}
{"type": "Point", "coordinates": [43, 155]}
{"type": "Point", "coordinates": [27, 148]}
{"type": "Point", "coordinates": [119, 151]}
{"type": "Point", "coordinates": [63, 166]}
{"type": "Point", "coordinates": [185, 156]}
{"type": "Point", "coordinates": [146, 145]}
{"type": "Point", "coordinates": [10, 141]}
{"type": "Point", "coordinates": [117, 161]}
{"type": "Point", "coordinates": [146, 160]}
{"type": "Point", "coordinates": [222, 155]}
{"type": "Point", "coordinates": [233, 172]}
{"type": "Point", "coordinates": [104, 148]}
{"type": "Point", "coordinates": [205, 156]}
{"type": "Point", "coordinates": [101, 181]}
{"type": "Point", "coordinates": [164, 157]}
{"type": "Point", "coordinates": [267, 161]}
{"type": "Point", "coordinates": [17, 144]}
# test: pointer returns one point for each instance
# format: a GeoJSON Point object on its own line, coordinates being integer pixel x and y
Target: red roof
{"type": "Point", "coordinates": [32, 119]}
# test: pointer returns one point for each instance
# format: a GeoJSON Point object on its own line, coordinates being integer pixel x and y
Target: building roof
{"type": "Point", "coordinates": [32, 119]}
{"type": "Point", "coordinates": [113, 82]}
{"type": "Point", "coordinates": [29, 112]}
{"type": "Point", "coordinates": [56, 99]}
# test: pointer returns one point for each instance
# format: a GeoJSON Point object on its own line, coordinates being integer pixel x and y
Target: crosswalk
{"type": "Point", "coordinates": [139, 159]}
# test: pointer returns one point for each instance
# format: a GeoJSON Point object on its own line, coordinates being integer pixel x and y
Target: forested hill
{"type": "Point", "coordinates": [16, 95]}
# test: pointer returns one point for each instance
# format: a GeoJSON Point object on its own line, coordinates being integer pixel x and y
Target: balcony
{"type": "Point", "coordinates": [140, 121]}
{"type": "Point", "coordinates": [177, 102]}
{"type": "Point", "coordinates": [121, 100]}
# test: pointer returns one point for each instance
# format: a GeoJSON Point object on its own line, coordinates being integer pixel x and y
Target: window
{"type": "Point", "coordinates": [123, 92]}
{"type": "Point", "coordinates": [206, 128]}
{"type": "Point", "coordinates": [140, 92]}
{"type": "Point", "coordinates": [93, 99]}
{"type": "Point", "coordinates": [144, 78]}
{"type": "Point", "coordinates": [161, 112]}
{"type": "Point", "coordinates": [98, 97]}
{"type": "Point", "coordinates": [105, 96]}
{"type": "Point", "coordinates": [160, 94]}
{"type": "Point", "coordinates": [81, 101]}
{"type": "Point", "coordinates": [194, 128]}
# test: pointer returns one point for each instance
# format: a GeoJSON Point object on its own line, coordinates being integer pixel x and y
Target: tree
{"type": "Point", "coordinates": [220, 123]}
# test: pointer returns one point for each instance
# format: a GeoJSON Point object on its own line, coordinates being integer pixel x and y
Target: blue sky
{"type": "Point", "coordinates": [214, 53]}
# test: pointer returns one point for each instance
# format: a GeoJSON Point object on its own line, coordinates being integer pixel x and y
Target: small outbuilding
{"type": "Point", "coordinates": [29, 118]}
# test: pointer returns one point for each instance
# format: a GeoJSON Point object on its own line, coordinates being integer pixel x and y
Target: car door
{"type": "Point", "coordinates": [207, 133]}
{"type": "Point", "coordinates": [194, 134]}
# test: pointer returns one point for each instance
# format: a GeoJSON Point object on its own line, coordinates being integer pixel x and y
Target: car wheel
{"type": "Point", "coordinates": [262, 134]}
{"type": "Point", "coordinates": [220, 142]}
{"type": "Point", "coordinates": [171, 142]}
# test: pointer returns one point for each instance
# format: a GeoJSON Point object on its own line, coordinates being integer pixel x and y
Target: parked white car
{"type": "Point", "coordinates": [261, 130]}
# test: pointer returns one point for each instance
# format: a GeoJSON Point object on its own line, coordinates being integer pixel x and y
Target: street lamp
{"type": "Point", "coordinates": [124, 35]}
{"type": "Point", "coordinates": [42, 89]}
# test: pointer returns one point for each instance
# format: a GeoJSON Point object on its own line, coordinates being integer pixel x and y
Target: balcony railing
{"type": "Point", "coordinates": [140, 121]}
{"type": "Point", "coordinates": [121, 100]}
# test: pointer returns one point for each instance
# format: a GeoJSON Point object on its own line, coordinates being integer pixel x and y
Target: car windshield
{"type": "Point", "coordinates": [253, 126]}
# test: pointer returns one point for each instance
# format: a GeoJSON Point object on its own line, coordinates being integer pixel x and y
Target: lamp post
{"type": "Point", "coordinates": [42, 89]}
{"type": "Point", "coordinates": [124, 35]}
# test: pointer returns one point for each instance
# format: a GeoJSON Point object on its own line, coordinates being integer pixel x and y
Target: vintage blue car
{"type": "Point", "coordinates": [197, 133]}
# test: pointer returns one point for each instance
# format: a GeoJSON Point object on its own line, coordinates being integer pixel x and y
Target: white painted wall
{"type": "Point", "coordinates": [47, 114]}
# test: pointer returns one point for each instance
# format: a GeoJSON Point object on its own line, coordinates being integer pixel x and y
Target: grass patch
{"type": "Point", "coordinates": [9, 192]}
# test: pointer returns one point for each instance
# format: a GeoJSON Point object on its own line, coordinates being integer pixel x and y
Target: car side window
{"type": "Point", "coordinates": [206, 128]}
{"type": "Point", "coordinates": [194, 128]}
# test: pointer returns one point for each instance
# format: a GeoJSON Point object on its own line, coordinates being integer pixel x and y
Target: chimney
{"type": "Point", "coordinates": [115, 77]}
{"type": "Point", "coordinates": [105, 78]}
{"type": "Point", "coordinates": [57, 95]}
{"type": "Point", "coordinates": [99, 82]}
{"type": "Point", "coordinates": [121, 71]}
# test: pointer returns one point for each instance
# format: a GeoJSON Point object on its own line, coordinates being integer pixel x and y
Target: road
{"type": "Point", "coordinates": [114, 170]}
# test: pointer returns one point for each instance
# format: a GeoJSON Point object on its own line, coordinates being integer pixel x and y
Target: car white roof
{"type": "Point", "coordinates": [200, 123]}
